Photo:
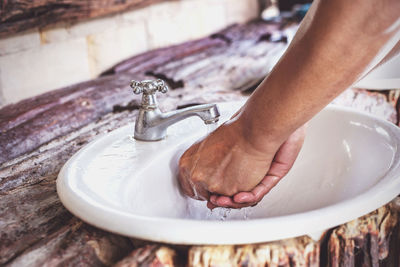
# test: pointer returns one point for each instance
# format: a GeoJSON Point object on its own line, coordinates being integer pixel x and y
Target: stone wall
{"type": "Point", "coordinates": [38, 61]}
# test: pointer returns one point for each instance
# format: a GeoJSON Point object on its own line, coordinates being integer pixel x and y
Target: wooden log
{"type": "Point", "coordinates": [75, 244]}
{"type": "Point", "coordinates": [376, 103]}
{"type": "Point", "coordinates": [21, 15]}
{"type": "Point", "coordinates": [29, 124]}
{"type": "Point", "coordinates": [30, 210]}
{"type": "Point", "coordinates": [148, 60]}
{"type": "Point", "coordinates": [150, 255]}
{"type": "Point", "coordinates": [36, 123]}
{"type": "Point", "coordinates": [22, 208]}
{"type": "Point", "coordinates": [46, 130]}
{"type": "Point", "coordinates": [372, 240]}
{"type": "Point", "coordinates": [301, 251]}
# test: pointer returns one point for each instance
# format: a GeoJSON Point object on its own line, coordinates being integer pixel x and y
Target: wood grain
{"type": "Point", "coordinates": [371, 240]}
{"type": "Point", "coordinates": [21, 15]}
{"type": "Point", "coordinates": [40, 134]}
{"type": "Point", "coordinates": [301, 251]}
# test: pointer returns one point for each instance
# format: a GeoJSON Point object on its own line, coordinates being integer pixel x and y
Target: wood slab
{"type": "Point", "coordinates": [21, 15]}
{"type": "Point", "coordinates": [40, 134]}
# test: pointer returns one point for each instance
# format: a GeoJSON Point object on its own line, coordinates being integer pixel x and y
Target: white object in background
{"type": "Point", "coordinates": [384, 71]}
{"type": "Point", "coordinates": [385, 76]}
{"type": "Point", "coordinates": [272, 11]}
{"type": "Point", "coordinates": [348, 167]}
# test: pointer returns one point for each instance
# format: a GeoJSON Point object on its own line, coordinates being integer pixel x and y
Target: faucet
{"type": "Point", "coordinates": [152, 123]}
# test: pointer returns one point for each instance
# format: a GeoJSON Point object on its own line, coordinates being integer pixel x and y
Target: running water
{"type": "Point", "coordinates": [197, 209]}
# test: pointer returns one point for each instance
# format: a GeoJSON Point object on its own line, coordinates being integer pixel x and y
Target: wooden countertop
{"type": "Point", "coordinates": [39, 134]}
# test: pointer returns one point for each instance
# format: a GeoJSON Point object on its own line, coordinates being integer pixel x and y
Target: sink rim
{"type": "Point", "coordinates": [317, 220]}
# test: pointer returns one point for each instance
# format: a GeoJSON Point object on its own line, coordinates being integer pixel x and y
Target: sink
{"type": "Point", "coordinates": [348, 167]}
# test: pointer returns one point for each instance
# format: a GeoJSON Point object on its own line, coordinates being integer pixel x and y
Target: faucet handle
{"type": "Point", "coordinates": [149, 86]}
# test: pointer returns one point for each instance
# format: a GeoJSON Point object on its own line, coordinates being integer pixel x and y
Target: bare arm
{"type": "Point", "coordinates": [333, 48]}
{"type": "Point", "coordinates": [240, 162]}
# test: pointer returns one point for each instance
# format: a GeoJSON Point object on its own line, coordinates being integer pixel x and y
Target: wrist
{"type": "Point", "coordinates": [253, 136]}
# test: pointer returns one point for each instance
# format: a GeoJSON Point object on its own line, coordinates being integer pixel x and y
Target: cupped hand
{"type": "Point", "coordinates": [281, 164]}
{"type": "Point", "coordinates": [226, 170]}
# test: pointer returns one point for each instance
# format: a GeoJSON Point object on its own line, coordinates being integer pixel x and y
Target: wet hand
{"type": "Point", "coordinates": [280, 166]}
{"type": "Point", "coordinates": [227, 171]}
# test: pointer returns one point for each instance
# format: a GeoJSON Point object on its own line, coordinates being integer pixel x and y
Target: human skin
{"type": "Point", "coordinates": [240, 162]}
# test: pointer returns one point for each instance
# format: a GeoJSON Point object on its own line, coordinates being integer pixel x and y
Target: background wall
{"type": "Point", "coordinates": [40, 60]}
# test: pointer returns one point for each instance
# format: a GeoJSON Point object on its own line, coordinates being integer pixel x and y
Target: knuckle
{"type": "Point", "coordinates": [230, 192]}
{"type": "Point", "coordinates": [213, 188]}
{"type": "Point", "coordinates": [196, 177]}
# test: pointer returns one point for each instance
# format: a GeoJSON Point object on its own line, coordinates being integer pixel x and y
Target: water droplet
{"type": "Point", "coordinates": [209, 215]}
{"type": "Point", "coordinates": [225, 214]}
{"type": "Point", "coordinates": [246, 213]}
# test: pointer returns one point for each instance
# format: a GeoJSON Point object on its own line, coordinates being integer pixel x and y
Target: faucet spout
{"type": "Point", "coordinates": [152, 125]}
{"type": "Point", "coordinates": [208, 113]}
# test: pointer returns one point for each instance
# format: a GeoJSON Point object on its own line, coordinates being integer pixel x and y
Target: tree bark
{"type": "Point", "coordinates": [301, 251]}
{"type": "Point", "coordinates": [372, 240]}
{"type": "Point", "coordinates": [152, 256]}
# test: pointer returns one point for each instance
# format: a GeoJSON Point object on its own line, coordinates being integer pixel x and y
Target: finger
{"type": "Point", "coordinates": [227, 202]}
{"type": "Point", "coordinates": [280, 166]}
{"type": "Point", "coordinates": [210, 205]}
{"type": "Point", "coordinates": [258, 192]}
{"type": "Point", "coordinates": [244, 197]}
{"type": "Point", "coordinates": [220, 201]}
{"type": "Point", "coordinates": [288, 151]}
{"type": "Point", "coordinates": [254, 195]}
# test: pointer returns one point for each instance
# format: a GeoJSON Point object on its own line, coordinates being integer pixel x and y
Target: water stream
{"type": "Point", "coordinates": [197, 209]}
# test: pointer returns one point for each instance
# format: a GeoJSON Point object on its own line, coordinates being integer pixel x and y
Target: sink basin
{"type": "Point", "coordinates": [348, 166]}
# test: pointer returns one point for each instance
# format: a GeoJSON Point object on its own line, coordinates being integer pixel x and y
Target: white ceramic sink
{"type": "Point", "coordinates": [349, 166]}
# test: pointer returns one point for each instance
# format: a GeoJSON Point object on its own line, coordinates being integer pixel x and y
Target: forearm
{"type": "Point", "coordinates": [332, 49]}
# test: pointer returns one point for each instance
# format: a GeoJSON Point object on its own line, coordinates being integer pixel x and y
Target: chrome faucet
{"type": "Point", "coordinates": [151, 123]}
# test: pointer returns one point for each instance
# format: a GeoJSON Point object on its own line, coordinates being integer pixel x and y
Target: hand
{"type": "Point", "coordinates": [226, 170]}
{"type": "Point", "coordinates": [280, 166]}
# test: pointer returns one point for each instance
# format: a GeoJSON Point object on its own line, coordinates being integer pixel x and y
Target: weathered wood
{"type": "Point", "coordinates": [37, 123]}
{"type": "Point", "coordinates": [195, 65]}
{"type": "Point", "coordinates": [20, 15]}
{"type": "Point", "coordinates": [38, 136]}
{"type": "Point", "coordinates": [75, 244]}
{"type": "Point", "coordinates": [375, 103]}
{"type": "Point", "coordinates": [148, 60]}
{"type": "Point", "coordinates": [372, 240]}
{"type": "Point", "coordinates": [301, 251]}
{"type": "Point", "coordinates": [150, 255]}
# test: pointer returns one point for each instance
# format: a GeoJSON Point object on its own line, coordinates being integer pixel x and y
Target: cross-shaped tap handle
{"type": "Point", "coordinates": [149, 86]}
